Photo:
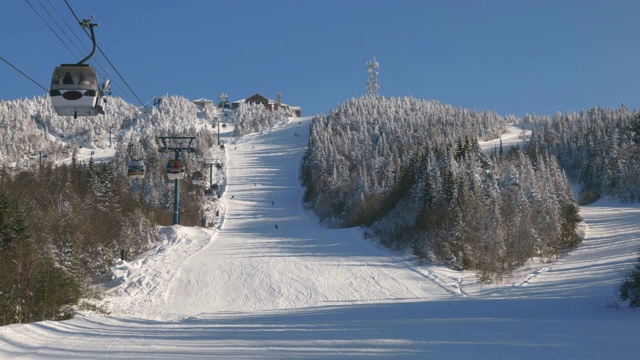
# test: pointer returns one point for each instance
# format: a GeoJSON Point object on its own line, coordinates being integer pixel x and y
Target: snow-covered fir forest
{"type": "Point", "coordinates": [253, 118]}
{"type": "Point", "coordinates": [598, 149]}
{"type": "Point", "coordinates": [410, 170]}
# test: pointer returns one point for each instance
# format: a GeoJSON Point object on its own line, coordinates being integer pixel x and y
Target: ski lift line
{"type": "Point", "coordinates": [98, 63]}
{"type": "Point", "coordinates": [74, 34]}
{"type": "Point", "coordinates": [60, 28]}
{"type": "Point", "coordinates": [94, 60]}
{"type": "Point", "coordinates": [68, 37]}
{"type": "Point", "coordinates": [47, 90]}
{"type": "Point", "coordinates": [105, 56]}
{"type": "Point", "coordinates": [50, 28]}
{"type": "Point", "coordinates": [120, 76]}
{"type": "Point", "coordinates": [68, 26]}
{"type": "Point", "coordinates": [23, 74]}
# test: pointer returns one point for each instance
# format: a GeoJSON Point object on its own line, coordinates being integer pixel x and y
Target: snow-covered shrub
{"type": "Point", "coordinates": [630, 288]}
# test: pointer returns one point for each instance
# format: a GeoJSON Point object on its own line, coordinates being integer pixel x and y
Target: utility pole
{"type": "Point", "coordinates": [177, 150]}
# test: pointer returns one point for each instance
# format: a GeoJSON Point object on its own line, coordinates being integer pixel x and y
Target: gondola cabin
{"type": "Point", "coordinates": [175, 170]}
{"type": "Point", "coordinates": [197, 178]}
{"type": "Point", "coordinates": [135, 169]}
{"type": "Point", "coordinates": [75, 91]}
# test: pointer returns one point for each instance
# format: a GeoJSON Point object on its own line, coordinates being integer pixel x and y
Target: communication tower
{"type": "Point", "coordinates": [373, 86]}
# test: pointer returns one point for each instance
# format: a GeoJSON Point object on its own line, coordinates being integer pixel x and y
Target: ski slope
{"type": "Point", "coordinates": [251, 290]}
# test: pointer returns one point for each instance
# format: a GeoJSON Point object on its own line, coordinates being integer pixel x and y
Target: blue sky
{"type": "Point", "coordinates": [512, 57]}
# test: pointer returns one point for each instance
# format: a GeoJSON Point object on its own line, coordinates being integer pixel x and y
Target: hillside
{"type": "Point", "coordinates": [305, 291]}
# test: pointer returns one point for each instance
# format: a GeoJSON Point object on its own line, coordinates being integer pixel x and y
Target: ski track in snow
{"type": "Point", "coordinates": [250, 265]}
{"type": "Point", "coordinates": [254, 266]}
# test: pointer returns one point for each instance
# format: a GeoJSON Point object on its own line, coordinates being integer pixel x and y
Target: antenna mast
{"type": "Point", "coordinates": [373, 86]}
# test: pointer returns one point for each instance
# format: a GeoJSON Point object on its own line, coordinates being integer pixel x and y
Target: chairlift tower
{"type": "Point", "coordinates": [224, 99]}
{"type": "Point", "coordinates": [167, 146]}
{"type": "Point", "coordinates": [210, 163]}
{"type": "Point", "coordinates": [373, 86]}
{"type": "Point", "coordinates": [111, 131]}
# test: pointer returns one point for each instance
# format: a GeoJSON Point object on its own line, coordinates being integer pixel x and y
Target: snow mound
{"type": "Point", "coordinates": [139, 286]}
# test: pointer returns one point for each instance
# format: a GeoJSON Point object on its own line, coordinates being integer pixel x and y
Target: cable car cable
{"type": "Point", "coordinates": [47, 90]}
{"type": "Point", "coordinates": [71, 40]}
{"type": "Point", "coordinates": [116, 85]}
{"type": "Point", "coordinates": [74, 34]}
{"type": "Point", "coordinates": [58, 25]}
{"type": "Point", "coordinates": [73, 43]}
{"type": "Point", "coordinates": [23, 74]}
{"type": "Point", "coordinates": [67, 24]}
{"type": "Point", "coordinates": [105, 57]}
{"type": "Point", "coordinates": [54, 33]}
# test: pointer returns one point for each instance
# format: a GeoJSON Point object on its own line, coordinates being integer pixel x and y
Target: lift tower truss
{"type": "Point", "coordinates": [176, 144]}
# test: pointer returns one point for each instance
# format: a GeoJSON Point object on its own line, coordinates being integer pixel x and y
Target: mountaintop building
{"type": "Point", "coordinates": [268, 103]}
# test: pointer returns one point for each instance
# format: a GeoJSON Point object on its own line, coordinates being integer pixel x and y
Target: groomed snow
{"type": "Point", "coordinates": [251, 290]}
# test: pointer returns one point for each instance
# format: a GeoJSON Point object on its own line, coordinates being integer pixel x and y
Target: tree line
{"type": "Point", "coordinates": [597, 148]}
{"type": "Point", "coordinates": [60, 229]}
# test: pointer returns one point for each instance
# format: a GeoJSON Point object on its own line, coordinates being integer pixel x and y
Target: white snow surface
{"type": "Point", "coordinates": [303, 291]}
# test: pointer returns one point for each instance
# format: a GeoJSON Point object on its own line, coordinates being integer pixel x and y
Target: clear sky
{"type": "Point", "coordinates": [513, 57]}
